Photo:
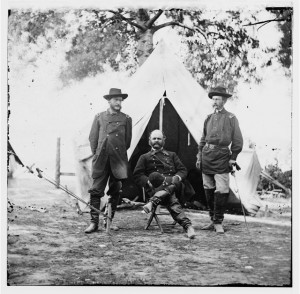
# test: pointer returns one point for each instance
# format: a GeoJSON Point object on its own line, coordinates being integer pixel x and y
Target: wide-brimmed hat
{"type": "Point", "coordinates": [218, 91]}
{"type": "Point", "coordinates": [157, 179]}
{"type": "Point", "coordinates": [113, 92]}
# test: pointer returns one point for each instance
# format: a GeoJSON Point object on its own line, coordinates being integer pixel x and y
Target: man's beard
{"type": "Point", "coordinates": [117, 108]}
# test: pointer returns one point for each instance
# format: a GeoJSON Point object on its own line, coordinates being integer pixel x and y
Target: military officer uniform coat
{"type": "Point", "coordinates": [168, 164]}
{"type": "Point", "coordinates": [165, 162]}
{"type": "Point", "coordinates": [110, 137]}
{"type": "Point", "coordinates": [221, 141]}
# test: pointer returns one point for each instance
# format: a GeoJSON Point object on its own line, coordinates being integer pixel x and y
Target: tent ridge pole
{"type": "Point", "coordinates": [161, 113]}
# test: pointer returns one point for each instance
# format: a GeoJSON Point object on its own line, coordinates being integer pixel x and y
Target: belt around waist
{"type": "Point", "coordinates": [212, 146]}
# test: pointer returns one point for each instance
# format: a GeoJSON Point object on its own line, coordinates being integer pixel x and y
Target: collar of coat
{"type": "Point", "coordinates": [112, 113]}
{"type": "Point", "coordinates": [153, 151]}
{"type": "Point", "coordinates": [221, 111]}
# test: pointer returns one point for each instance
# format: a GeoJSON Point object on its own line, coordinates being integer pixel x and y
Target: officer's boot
{"type": "Point", "coordinates": [155, 201]}
{"type": "Point", "coordinates": [220, 207]}
{"type": "Point", "coordinates": [210, 196]}
{"type": "Point", "coordinates": [95, 202]}
{"type": "Point", "coordinates": [148, 207]}
{"type": "Point", "coordinates": [113, 200]}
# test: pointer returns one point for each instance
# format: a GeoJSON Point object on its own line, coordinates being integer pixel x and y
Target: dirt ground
{"type": "Point", "coordinates": [46, 245]}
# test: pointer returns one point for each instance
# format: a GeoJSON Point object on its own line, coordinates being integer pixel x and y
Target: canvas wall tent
{"type": "Point", "coordinates": [13, 160]}
{"type": "Point", "coordinates": [161, 94]}
{"type": "Point", "coordinates": [246, 182]}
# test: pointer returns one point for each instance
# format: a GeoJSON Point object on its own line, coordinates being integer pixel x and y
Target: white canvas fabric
{"type": "Point", "coordinates": [161, 72]}
{"type": "Point", "coordinates": [246, 181]}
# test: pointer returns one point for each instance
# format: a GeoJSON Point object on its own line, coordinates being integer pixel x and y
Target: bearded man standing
{"type": "Point", "coordinates": [168, 164]}
{"type": "Point", "coordinates": [110, 137]}
{"type": "Point", "coordinates": [216, 158]}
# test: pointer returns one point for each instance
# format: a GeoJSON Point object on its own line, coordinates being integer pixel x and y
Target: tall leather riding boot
{"type": "Point", "coordinates": [159, 196]}
{"type": "Point", "coordinates": [114, 200]}
{"type": "Point", "coordinates": [155, 200]}
{"type": "Point", "coordinates": [95, 202]}
{"type": "Point", "coordinates": [220, 207]}
{"type": "Point", "coordinates": [210, 199]}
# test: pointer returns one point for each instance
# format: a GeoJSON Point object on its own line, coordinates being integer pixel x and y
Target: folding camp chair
{"type": "Point", "coordinates": [156, 211]}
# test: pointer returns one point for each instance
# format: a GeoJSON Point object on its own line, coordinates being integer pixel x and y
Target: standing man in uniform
{"type": "Point", "coordinates": [220, 144]}
{"type": "Point", "coordinates": [167, 164]}
{"type": "Point", "coordinates": [110, 137]}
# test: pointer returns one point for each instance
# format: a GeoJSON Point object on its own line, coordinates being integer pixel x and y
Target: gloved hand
{"type": "Point", "coordinates": [170, 189]}
{"type": "Point", "coordinates": [175, 179]}
{"type": "Point", "coordinates": [231, 162]}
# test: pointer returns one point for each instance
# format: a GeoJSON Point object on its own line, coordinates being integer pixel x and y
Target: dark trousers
{"type": "Point", "coordinates": [98, 188]}
{"type": "Point", "coordinates": [174, 207]}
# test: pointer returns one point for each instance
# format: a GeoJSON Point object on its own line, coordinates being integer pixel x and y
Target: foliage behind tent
{"type": "Point", "coordinates": [219, 43]}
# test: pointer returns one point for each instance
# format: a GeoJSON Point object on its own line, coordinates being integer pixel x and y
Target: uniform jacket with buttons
{"type": "Point", "coordinates": [164, 162]}
{"type": "Point", "coordinates": [220, 129]}
{"type": "Point", "coordinates": [110, 137]}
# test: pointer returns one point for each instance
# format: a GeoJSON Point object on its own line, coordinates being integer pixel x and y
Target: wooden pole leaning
{"type": "Point", "coordinates": [109, 215]}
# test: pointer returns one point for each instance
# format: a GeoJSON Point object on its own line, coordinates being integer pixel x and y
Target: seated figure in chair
{"type": "Point", "coordinates": [162, 188]}
{"type": "Point", "coordinates": [170, 167]}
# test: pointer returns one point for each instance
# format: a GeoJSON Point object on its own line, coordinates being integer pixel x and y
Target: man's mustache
{"type": "Point", "coordinates": [156, 143]}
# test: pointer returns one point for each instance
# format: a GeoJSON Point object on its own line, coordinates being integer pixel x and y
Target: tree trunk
{"type": "Point", "coordinates": [145, 39]}
{"type": "Point", "coordinates": [145, 46]}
